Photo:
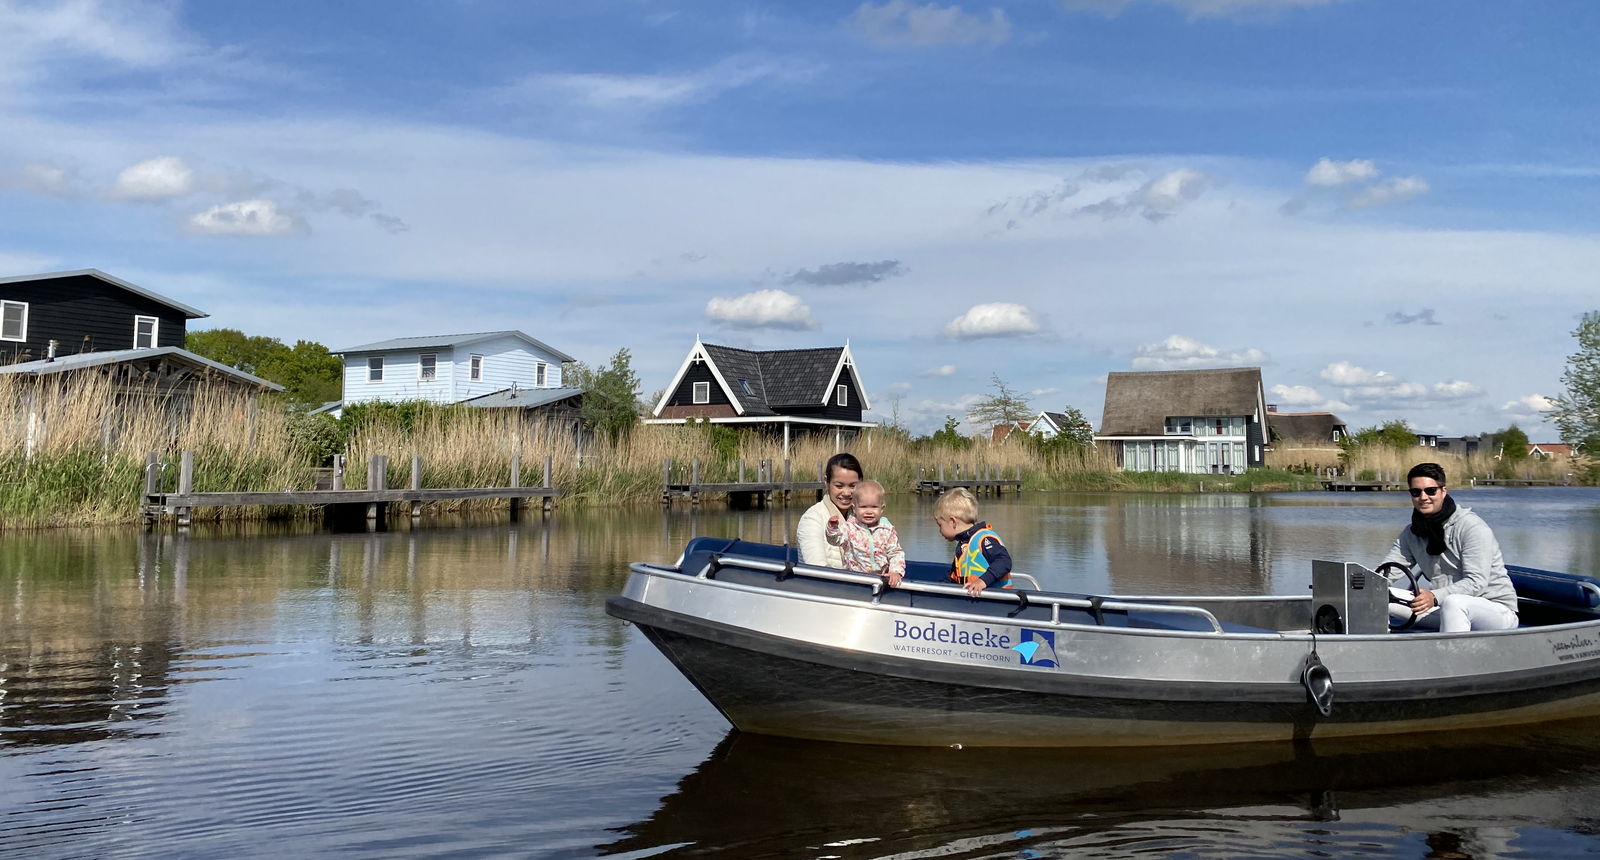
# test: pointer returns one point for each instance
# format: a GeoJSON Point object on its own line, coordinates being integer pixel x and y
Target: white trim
{"type": "Point", "coordinates": [420, 357]}
{"type": "Point", "coordinates": [155, 331]}
{"type": "Point", "coordinates": [699, 350]}
{"type": "Point", "coordinates": [479, 376]}
{"type": "Point", "coordinates": [379, 359]}
{"type": "Point", "coordinates": [846, 360]}
{"type": "Point", "coordinates": [541, 374]}
{"type": "Point", "coordinates": [767, 419]}
{"type": "Point", "coordinates": [843, 392]}
{"type": "Point", "coordinates": [24, 306]}
{"type": "Point", "coordinates": [694, 393]}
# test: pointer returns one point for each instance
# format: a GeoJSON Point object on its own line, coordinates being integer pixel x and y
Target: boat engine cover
{"type": "Point", "coordinates": [1348, 598]}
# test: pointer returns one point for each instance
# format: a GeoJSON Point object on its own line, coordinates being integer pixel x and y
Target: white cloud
{"type": "Point", "coordinates": [635, 92]}
{"type": "Point", "coordinates": [763, 309]}
{"type": "Point", "coordinates": [246, 218]}
{"type": "Point", "coordinates": [1328, 173]}
{"type": "Point", "coordinates": [40, 178]}
{"type": "Point", "coordinates": [1296, 395]}
{"type": "Point", "coordinates": [996, 319]}
{"type": "Point", "coordinates": [128, 33]}
{"type": "Point", "coordinates": [1185, 353]}
{"type": "Point", "coordinates": [1381, 388]}
{"type": "Point", "coordinates": [901, 22]}
{"type": "Point", "coordinates": [1528, 406]}
{"type": "Point", "coordinates": [155, 179]}
{"type": "Point", "coordinates": [941, 370]}
{"type": "Point", "coordinates": [1156, 200]}
{"type": "Point", "coordinates": [1398, 189]}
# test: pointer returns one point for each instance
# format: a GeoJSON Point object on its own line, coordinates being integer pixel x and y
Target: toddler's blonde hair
{"type": "Point", "coordinates": [872, 488]}
{"type": "Point", "coordinates": [957, 504]}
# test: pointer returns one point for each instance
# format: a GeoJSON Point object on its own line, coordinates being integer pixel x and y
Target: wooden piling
{"type": "Point", "coordinates": [549, 502]}
{"type": "Point", "coordinates": [185, 484]}
{"type": "Point", "coordinates": [416, 484]}
{"type": "Point", "coordinates": [516, 482]}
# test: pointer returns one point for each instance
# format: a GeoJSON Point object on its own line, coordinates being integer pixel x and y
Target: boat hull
{"type": "Point", "coordinates": [773, 686]}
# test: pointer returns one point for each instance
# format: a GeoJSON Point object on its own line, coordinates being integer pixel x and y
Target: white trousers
{"type": "Point", "coordinates": [1458, 613]}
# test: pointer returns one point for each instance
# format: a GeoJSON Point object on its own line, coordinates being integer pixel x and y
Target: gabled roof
{"type": "Point", "coordinates": [1138, 403]}
{"type": "Point", "coordinates": [773, 378]}
{"type": "Point", "coordinates": [522, 398]}
{"type": "Point", "coordinates": [187, 311]}
{"type": "Point", "coordinates": [445, 341]}
{"type": "Point", "coordinates": [1305, 428]}
{"type": "Point", "coordinates": [82, 360]}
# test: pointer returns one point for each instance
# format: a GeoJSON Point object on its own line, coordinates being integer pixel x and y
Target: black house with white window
{"type": "Point", "coordinates": [807, 390]}
{"type": "Point", "coordinates": [85, 311]}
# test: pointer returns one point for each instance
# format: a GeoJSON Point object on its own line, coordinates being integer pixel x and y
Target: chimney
{"type": "Point", "coordinates": [1272, 407]}
{"type": "Point", "coordinates": [50, 354]}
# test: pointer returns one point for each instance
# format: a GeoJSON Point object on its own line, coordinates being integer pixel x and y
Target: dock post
{"type": "Point", "coordinates": [694, 481]}
{"type": "Point", "coordinates": [549, 502]}
{"type": "Point", "coordinates": [741, 470]}
{"type": "Point", "coordinates": [416, 484]}
{"type": "Point", "coordinates": [185, 484]}
{"type": "Point", "coordinates": [152, 487]}
{"type": "Point", "coordinates": [516, 483]}
{"type": "Point", "coordinates": [338, 471]}
{"type": "Point", "coordinates": [666, 481]}
{"type": "Point", "coordinates": [786, 481]}
{"type": "Point", "coordinates": [941, 478]}
{"type": "Point", "coordinates": [377, 479]}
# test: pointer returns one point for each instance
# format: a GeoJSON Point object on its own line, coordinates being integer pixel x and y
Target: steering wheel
{"type": "Point", "coordinates": [1411, 576]}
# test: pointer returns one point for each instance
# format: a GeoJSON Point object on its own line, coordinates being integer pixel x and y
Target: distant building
{"type": "Point", "coordinates": [1305, 429]}
{"type": "Point", "coordinates": [788, 390]}
{"type": "Point", "coordinates": [1201, 421]}
{"type": "Point", "coordinates": [1427, 440]}
{"type": "Point", "coordinates": [1049, 424]}
{"type": "Point", "coordinates": [502, 367]}
{"type": "Point", "coordinates": [87, 320]}
{"type": "Point", "coordinates": [1549, 450]}
{"type": "Point", "coordinates": [1461, 446]}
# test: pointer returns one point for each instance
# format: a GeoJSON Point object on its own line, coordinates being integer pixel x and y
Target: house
{"type": "Point", "coordinates": [1463, 446]}
{"type": "Point", "coordinates": [455, 368]}
{"type": "Point", "coordinates": [1048, 424]}
{"type": "Point", "coordinates": [88, 320]}
{"type": "Point", "coordinates": [1427, 440]}
{"type": "Point", "coordinates": [1549, 450]}
{"type": "Point", "coordinates": [1202, 421]}
{"type": "Point", "coordinates": [792, 390]}
{"type": "Point", "coordinates": [1305, 429]}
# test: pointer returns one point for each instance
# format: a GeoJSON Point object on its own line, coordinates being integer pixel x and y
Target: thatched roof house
{"type": "Point", "coordinates": [1306, 429]}
{"type": "Point", "coordinates": [1207, 421]}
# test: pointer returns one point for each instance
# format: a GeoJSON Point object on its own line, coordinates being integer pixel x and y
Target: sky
{"type": "Point", "coordinates": [1392, 208]}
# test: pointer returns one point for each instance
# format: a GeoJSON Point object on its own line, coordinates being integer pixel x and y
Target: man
{"type": "Point", "coordinates": [1464, 584]}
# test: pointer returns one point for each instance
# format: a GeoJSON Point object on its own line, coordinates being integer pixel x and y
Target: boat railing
{"type": "Point", "coordinates": [1025, 599]}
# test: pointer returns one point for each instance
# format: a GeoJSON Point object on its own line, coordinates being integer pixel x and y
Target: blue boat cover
{"type": "Point", "coordinates": [1552, 587]}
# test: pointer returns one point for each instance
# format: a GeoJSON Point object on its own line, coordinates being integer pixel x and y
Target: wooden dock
{"type": "Point", "coordinates": [762, 491]}
{"type": "Point", "coordinates": [341, 506]}
{"type": "Point", "coordinates": [980, 480]}
{"type": "Point", "coordinates": [1520, 482]}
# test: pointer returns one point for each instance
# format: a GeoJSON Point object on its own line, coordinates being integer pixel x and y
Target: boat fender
{"type": "Point", "coordinates": [1094, 606]}
{"type": "Point", "coordinates": [1022, 603]}
{"type": "Point", "coordinates": [1319, 683]}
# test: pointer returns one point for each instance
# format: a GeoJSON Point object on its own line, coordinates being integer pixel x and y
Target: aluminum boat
{"type": "Point", "coordinates": [782, 648]}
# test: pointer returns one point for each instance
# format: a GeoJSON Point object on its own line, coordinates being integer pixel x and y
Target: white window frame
{"type": "Point", "coordinates": [475, 368]}
{"type": "Point", "coordinates": [8, 305]}
{"type": "Point", "coordinates": [423, 375]}
{"type": "Point", "coordinates": [541, 373]}
{"type": "Point", "coordinates": [701, 394]}
{"type": "Point", "coordinates": [155, 331]}
{"type": "Point", "coordinates": [843, 396]}
{"type": "Point", "coordinates": [371, 366]}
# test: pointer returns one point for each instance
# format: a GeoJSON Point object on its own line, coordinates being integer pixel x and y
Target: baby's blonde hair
{"type": "Point", "coordinates": [872, 488]}
{"type": "Point", "coordinates": [957, 504]}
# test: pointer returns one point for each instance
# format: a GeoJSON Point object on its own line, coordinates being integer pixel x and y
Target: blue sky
{"type": "Point", "coordinates": [1391, 207]}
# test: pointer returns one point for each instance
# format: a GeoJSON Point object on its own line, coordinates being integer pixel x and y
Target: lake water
{"type": "Point", "coordinates": [459, 691]}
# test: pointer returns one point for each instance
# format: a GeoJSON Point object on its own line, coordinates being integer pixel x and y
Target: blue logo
{"type": "Point", "coordinates": [1037, 648]}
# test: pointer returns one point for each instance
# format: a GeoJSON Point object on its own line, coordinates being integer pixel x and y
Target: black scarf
{"type": "Point", "coordinates": [1431, 526]}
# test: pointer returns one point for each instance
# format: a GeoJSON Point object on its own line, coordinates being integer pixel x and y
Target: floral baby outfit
{"type": "Point", "coordinates": [874, 549]}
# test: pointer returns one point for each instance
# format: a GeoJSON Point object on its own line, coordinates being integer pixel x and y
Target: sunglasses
{"type": "Point", "coordinates": [1431, 491]}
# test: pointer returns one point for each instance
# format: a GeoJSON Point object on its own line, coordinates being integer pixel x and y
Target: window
{"type": "Point", "coordinates": [375, 369]}
{"type": "Point", "coordinates": [844, 395]}
{"type": "Point", "coordinates": [539, 374]}
{"type": "Point", "coordinates": [144, 332]}
{"type": "Point", "coordinates": [428, 367]}
{"type": "Point", "coordinates": [1180, 427]}
{"type": "Point", "coordinates": [475, 374]}
{"type": "Point", "coordinates": [702, 392]}
{"type": "Point", "coordinates": [744, 385]}
{"type": "Point", "coordinates": [13, 320]}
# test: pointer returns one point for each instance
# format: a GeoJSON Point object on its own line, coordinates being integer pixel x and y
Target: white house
{"type": "Point", "coordinates": [1206, 421]}
{"type": "Point", "coordinates": [449, 368]}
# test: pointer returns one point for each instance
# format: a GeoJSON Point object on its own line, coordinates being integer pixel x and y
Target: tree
{"type": "Point", "coordinates": [309, 375]}
{"type": "Point", "coordinates": [1577, 410]}
{"type": "Point", "coordinates": [950, 435]}
{"type": "Point", "coordinates": [610, 396]}
{"type": "Point", "coordinates": [1395, 434]}
{"type": "Point", "coordinates": [1078, 432]}
{"type": "Point", "coordinates": [1003, 407]}
{"type": "Point", "coordinates": [1513, 443]}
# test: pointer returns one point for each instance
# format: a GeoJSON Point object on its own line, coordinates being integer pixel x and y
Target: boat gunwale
{"type": "Point", "coordinates": [830, 574]}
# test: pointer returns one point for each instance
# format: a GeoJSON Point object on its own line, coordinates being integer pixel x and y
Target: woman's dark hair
{"type": "Point", "coordinates": [1427, 470]}
{"type": "Point", "coordinates": [843, 461]}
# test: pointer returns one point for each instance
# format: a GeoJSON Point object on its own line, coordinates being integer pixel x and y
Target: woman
{"type": "Point", "coordinates": [841, 477]}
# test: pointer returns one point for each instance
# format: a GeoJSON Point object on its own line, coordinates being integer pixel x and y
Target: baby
{"type": "Point", "coordinates": [869, 542]}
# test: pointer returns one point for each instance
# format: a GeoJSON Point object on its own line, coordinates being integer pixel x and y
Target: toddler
{"type": "Point", "coordinates": [869, 542]}
{"type": "Point", "coordinates": [981, 559]}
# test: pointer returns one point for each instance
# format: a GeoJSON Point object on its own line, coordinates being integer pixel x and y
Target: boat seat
{"type": "Point", "coordinates": [1561, 589]}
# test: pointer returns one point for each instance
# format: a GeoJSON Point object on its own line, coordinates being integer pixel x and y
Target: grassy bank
{"type": "Point", "coordinates": [73, 453]}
